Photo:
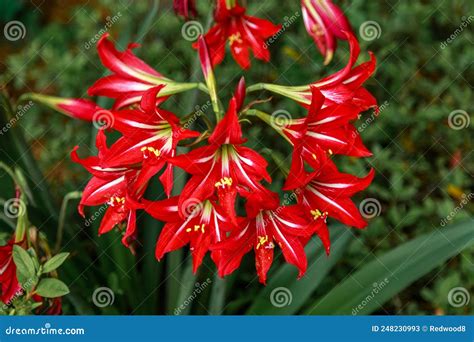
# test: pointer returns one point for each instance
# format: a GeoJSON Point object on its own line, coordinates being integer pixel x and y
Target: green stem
{"type": "Point", "coordinates": [267, 118]}
{"type": "Point", "coordinates": [216, 305]}
{"type": "Point", "coordinates": [255, 87]}
{"type": "Point", "coordinates": [8, 170]}
{"type": "Point", "coordinates": [62, 216]}
{"type": "Point", "coordinates": [202, 87]}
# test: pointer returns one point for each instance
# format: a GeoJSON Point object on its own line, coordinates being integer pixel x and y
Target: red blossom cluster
{"type": "Point", "coordinates": [223, 171]}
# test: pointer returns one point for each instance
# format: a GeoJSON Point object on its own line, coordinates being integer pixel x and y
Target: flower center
{"type": "Point", "coordinates": [236, 37]}
{"type": "Point", "coordinates": [318, 214]}
{"type": "Point", "coordinates": [150, 151]}
{"type": "Point", "coordinates": [225, 181]}
{"type": "Point", "coordinates": [262, 240]}
{"type": "Point", "coordinates": [197, 227]}
{"type": "Point", "coordinates": [115, 201]}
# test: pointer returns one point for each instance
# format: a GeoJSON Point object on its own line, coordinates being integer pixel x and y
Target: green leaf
{"type": "Point", "coordinates": [54, 262]}
{"type": "Point", "coordinates": [372, 285]}
{"type": "Point", "coordinates": [300, 290]}
{"type": "Point", "coordinates": [36, 305]}
{"type": "Point", "coordinates": [25, 267]}
{"type": "Point", "coordinates": [51, 288]}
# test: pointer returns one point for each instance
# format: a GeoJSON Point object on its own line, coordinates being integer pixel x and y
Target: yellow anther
{"type": "Point", "coordinates": [197, 227]}
{"type": "Point", "coordinates": [116, 200]}
{"type": "Point", "coordinates": [330, 152]}
{"type": "Point", "coordinates": [151, 150]}
{"type": "Point", "coordinates": [314, 156]}
{"type": "Point", "coordinates": [261, 241]}
{"type": "Point", "coordinates": [223, 182]}
{"type": "Point", "coordinates": [236, 37]}
{"type": "Point", "coordinates": [317, 214]}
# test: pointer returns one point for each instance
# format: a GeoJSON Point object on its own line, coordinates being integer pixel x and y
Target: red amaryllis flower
{"type": "Point", "coordinates": [324, 131]}
{"type": "Point", "coordinates": [81, 109]}
{"type": "Point", "coordinates": [266, 225]}
{"type": "Point", "coordinates": [118, 187]}
{"type": "Point", "coordinates": [149, 133]}
{"type": "Point", "coordinates": [185, 8]}
{"type": "Point", "coordinates": [199, 224]}
{"type": "Point", "coordinates": [325, 23]}
{"type": "Point", "coordinates": [224, 166]}
{"type": "Point", "coordinates": [8, 280]}
{"type": "Point", "coordinates": [342, 87]}
{"type": "Point", "coordinates": [327, 192]}
{"type": "Point", "coordinates": [131, 76]}
{"type": "Point", "coordinates": [243, 32]}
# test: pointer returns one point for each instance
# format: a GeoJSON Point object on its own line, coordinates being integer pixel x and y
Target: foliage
{"type": "Point", "coordinates": [424, 167]}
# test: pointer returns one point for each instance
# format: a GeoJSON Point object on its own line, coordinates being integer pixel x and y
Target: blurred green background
{"type": "Point", "coordinates": [424, 166]}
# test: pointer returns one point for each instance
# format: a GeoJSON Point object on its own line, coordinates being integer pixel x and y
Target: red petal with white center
{"type": "Point", "coordinates": [123, 63]}
{"type": "Point", "coordinates": [228, 130]}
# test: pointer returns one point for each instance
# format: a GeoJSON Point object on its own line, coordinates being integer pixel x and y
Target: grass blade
{"type": "Point", "coordinates": [395, 270]}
